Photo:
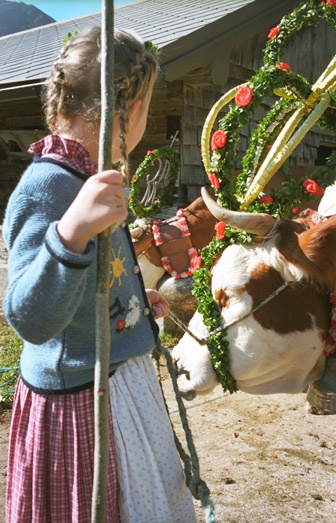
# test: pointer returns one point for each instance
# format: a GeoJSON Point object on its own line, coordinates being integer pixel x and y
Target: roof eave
{"type": "Point", "coordinates": [20, 91]}
{"type": "Point", "coordinates": [193, 51]}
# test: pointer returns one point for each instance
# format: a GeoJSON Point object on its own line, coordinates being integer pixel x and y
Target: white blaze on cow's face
{"type": "Point", "coordinates": [229, 279]}
{"type": "Point", "coordinates": [190, 356]}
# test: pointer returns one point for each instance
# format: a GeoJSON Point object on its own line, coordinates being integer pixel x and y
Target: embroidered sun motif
{"type": "Point", "coordinates": [117, 267]}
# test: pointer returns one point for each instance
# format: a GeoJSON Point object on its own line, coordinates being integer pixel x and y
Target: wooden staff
{"type": "Point", "coordinates": [103, 335]}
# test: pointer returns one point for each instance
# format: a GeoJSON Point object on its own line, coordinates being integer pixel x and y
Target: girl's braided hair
{"type": "Point", "coordinates": [73, 88]}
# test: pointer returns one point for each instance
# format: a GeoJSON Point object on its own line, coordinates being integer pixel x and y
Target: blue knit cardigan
{"type": "Point", "coordinates": [50, 299]}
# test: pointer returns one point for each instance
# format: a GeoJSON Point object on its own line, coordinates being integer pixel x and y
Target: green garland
{"type": "Point", "coordinates": [141, 174]}
{"type": "Point", "coordinates": [273, 77]}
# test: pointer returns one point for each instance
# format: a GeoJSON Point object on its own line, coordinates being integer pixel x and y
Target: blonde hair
{"type": "Point", "coordinates": [73, 88]}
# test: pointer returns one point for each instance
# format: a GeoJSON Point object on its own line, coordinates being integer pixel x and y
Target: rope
{"type": "Point", "coordinates": [204, 341]}
{"type": "Point", "coordinates": [196, 485]}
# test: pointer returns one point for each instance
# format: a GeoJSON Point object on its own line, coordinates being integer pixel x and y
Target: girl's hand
{"type": "Point", "coordinates": [158, 303]}
{"type": "Point", "coordinates": [100, 203]}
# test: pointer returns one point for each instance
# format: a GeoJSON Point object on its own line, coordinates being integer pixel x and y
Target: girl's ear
{"type": "Point", "coordinates": [134, 111]}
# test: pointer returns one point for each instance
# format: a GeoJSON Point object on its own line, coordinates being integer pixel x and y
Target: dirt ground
{"type": "Point", "coordinates": [265, 459]}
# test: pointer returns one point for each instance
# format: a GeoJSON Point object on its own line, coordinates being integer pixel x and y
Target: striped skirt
{"type": "Point", "coordinates": [51, 451]}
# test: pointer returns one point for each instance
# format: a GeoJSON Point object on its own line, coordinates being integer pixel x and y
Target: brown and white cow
{"type": "Point", "coordinates": [201, 224]}
{"type": "Point", "coordinates": [280, 347]}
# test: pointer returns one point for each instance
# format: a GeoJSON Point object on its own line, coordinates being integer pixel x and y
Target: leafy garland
{"type": "Point", "coordinates": [274, 78]}
{"type": "Point", "coordinates": [140, 176]}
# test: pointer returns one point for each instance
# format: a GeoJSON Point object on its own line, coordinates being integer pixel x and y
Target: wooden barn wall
{"type": "Point", "coordinates": [164, 119]}
{"type": "Point", "coordinates": [197, 102]}
{"type": "Point", "coordinates": [20, 124]}
{"type": "Point", "coordinates": [308, 53]}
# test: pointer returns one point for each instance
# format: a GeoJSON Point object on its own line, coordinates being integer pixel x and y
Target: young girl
{"type": "Point", "coordinates": [51, 225]}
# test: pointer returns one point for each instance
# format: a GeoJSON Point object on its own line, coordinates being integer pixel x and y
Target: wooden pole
{"type": "Point", "coordinates": [103, 335]}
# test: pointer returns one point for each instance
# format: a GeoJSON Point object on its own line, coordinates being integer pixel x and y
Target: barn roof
{"type": "Point", "coordinates": [186, 32]}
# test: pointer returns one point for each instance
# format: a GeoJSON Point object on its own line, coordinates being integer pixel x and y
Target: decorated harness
{"type": "Point", "coordinates": [172, 237]}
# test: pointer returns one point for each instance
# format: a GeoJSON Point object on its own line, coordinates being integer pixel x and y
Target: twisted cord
{"type": "Point", "coordinates": [196, 485]}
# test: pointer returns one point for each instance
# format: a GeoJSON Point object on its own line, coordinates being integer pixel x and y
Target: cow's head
{"type": "Point", "coordinates": [279, 347]}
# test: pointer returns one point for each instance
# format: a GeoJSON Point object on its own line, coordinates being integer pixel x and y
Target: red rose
{"type": "Point", "coordinates": [330, 2]}
{"type": "Point", "coordinates": [244, 96]}
{"type": "Point", "coordinates": [283, 65]}
{"type": "Point", "coordinates": [218, 140]}
{"type": "Point", "coordinates": [220, 230]}
{"type": "Point", "coordinates": [120, 325]}
{"type": "Point", "coordinates": [312, 187]}
{"type": "Point", "coordinates": [295, 210]}
{"type": "Point", "coordinates": [266, 200]}
{"type": "Point", "coordinates": [273, 32]}
{"type": "Point", "coordinates": [214, 181]}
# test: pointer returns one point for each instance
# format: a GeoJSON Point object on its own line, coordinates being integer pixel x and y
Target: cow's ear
{"type": "Point", "coordinates": [318, 252]}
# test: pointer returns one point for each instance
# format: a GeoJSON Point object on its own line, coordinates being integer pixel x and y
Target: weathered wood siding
{"type": "Point", "coordinates": [308, 53]}
{"type": "Point", "coordinates": [197, 102]}
{"type": "Point", "coordinates": [166, 106]}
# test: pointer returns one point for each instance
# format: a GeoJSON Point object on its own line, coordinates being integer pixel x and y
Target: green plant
{"type": "Point", "coordinates": [169, 339]}
{"type": "Point", "coordinates": [10, 351]}
{"type": "Point", "coordinates": [69, 37]}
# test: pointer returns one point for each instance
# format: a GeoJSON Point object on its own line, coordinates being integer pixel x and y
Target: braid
{"type": "Point", "coordinates": [136, 83]}
{"type": "Point", "coordinates": [54, 94]}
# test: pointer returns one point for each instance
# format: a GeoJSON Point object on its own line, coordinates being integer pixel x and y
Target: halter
{"type": "Point", "coordinates": [204, 341]}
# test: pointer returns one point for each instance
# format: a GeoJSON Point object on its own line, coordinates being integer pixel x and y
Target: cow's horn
{"type": "Point", "coordinates": [260, 224]}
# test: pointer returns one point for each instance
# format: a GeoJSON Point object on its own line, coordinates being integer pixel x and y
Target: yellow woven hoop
{"type": "Point", "coordinates": [284, 146]}
{"type": "Point", "coordinates": [209, 122]}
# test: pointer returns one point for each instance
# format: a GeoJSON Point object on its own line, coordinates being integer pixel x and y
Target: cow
{"type": "Point", "coordinates": [201, 225]}
{"type": "Point", "coordinates": [278, 348]}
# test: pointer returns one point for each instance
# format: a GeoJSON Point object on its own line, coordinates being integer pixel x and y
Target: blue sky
{"type": "Point", "coordinates": [65, 9]}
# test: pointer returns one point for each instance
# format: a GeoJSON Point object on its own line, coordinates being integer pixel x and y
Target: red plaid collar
{"type": "Point", "coordinates": [65, 150]}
